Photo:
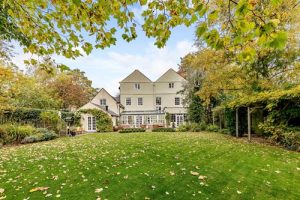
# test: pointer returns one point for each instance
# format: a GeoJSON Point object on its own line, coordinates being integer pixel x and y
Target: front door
{"type": "Point", "coordinates": [91, 124]}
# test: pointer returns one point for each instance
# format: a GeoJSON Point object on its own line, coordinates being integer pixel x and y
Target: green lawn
{"type": "Point", "coordinates": [149, 166]}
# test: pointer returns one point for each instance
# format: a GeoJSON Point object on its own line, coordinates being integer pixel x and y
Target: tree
{"type": "Point", "coordinates": [73, 88]}
{"type": "Point", "coordinates": [56, 26]}
{"type": "Point", "coordinates": [19, 90]}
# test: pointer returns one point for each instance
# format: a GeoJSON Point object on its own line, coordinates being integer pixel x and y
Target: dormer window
{"type": "Point", "coordinates": [137, 86]}
{"type": "Point", "coordinates": [102, 102]}
{"type": "Point", "coordinates": [171, 85]}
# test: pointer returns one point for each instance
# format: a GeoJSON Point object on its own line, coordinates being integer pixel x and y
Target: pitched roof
{"type": "Point", "coordinates": [170, 75]}
{"type": "Point", "coordinates": [104, 109]}
{"type": "Point", "coordinates": [102, 89]}
{"type": "Point", "coordinates": [136, 76]}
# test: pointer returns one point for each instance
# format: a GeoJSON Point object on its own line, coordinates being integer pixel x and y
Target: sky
{"type": "Point", "coordinates": [106, 68]}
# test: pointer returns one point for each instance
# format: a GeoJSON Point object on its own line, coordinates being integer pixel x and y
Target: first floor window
{"type": "Point", "coordinates": [128, 101]}
{"type": "Point", "coordinates": [137, 86]}
{"type": "Point", "coordinates": [140, 101]}
{"type": "Point", "coordinates": [177, 101]}
{"type": "Point", "coordinates": [158, 101]}
{"type": "Point", "coordinates": [103, 102]}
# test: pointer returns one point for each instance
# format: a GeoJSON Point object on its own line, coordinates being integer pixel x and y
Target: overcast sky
{"type": "Point", "coordinates": [109, 66]}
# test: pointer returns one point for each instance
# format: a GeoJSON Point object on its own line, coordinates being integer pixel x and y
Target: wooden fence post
{"type": "Point", "coordinates": [249, 124]}
{"type": "Point", "coordinates": [237, 122]}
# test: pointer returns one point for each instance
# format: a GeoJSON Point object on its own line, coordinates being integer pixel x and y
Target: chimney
{"type": "Point", "coordinates": [106, 108]}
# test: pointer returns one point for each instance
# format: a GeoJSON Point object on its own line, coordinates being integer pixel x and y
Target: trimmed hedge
{"type": "Point", "coordinates": [163, 130]}
{"type": "Point", "coordinates": [132, 130]}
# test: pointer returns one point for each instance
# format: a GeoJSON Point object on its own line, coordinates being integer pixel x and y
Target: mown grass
{"type": "Point", "coordinates": [149, 166]}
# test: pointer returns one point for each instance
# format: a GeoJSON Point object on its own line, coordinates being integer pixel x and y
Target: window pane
{"type": "Point", "coordinates": [128, 101]}
{"type": "Point", "coordinates": [140, 101]}
{"type": "Point", "coordinates": [177, 101]}
{"type": "Point", "coordinates": [137, 86]}
{"type": "Point", "coordinates": [158, 101]}
{"type": "Point", "coordinates": [103, 102]}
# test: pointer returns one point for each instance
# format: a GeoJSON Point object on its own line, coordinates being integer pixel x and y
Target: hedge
{"type": "Point", "coordinates": [163, 130]}
{"type": "Point", "coordinates": [132, 130]}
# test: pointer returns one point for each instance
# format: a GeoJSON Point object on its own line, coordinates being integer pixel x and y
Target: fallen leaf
{"type": "Point", "coordinates": [201, 177]}
{"type": "Point", "coordinates": [98, 190]}
{"type": "Point", "coordinates": [194, 173]}
{"type": "Point", "coordinates": [1, 190]}
{"type": "Point", "coordinates": [39, 189]}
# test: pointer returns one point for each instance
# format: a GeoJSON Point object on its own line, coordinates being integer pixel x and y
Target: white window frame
{"type": "Point", "coordinates": [91, 123]}
{"type": "Point", "coordinates": [177, 101]}
{"type": "Point", "coordinates": [128, 101]}
{"type": "Point", "coordinates": [140, 101]}
{"type": "Point", "coordinates": [171, 85]}
{"type": "Point", "coordinates": [137, 86]}
{"type": "Point", "coordinates": [103, 102]}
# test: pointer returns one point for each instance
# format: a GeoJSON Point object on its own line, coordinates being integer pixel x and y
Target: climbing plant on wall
{"type": "Point", "coordinates": [103, 120]}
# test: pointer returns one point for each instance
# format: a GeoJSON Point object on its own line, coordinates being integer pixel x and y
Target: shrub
{"type": "Point", "coordinates": [195, 127]}
{"type": "Point", "coordinates": [163, 130]}
{"type": "Point", "coordinates": [291, 140]}
{"type": "Point", "coordinates": [212, 128]}
{"type": "Point", "coordinates": [42, 135]}
{"type": "Point", "coordinates": [224, 131]}
{"type": "Point", "coordinates": [275, 131]}
{"type": "Point", "coordinates": [30, 139]}
{"type": "Point", "coordinates": [132, 130]}
{"type": "Point", "coordinates": [203, 126]}
{"type": "Point", "coordinates": [47, 134]}
{"type": "Point", "coordinates": [13, 133]}
{"type": "Point", "coordinates": [183, 128]}
{"type": "Point", "coordinates": [280, 134]}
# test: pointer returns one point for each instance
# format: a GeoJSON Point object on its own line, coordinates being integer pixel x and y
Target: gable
{"type": "Point", "coordinates": [170, 76]}
{"type": "Point", "coordinates": [103, 94]}
{"type": "Point", "coordinates": [136, 76]}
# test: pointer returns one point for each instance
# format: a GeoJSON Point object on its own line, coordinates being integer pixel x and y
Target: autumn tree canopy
{"type": "Point", "coordinates": [57, 27]}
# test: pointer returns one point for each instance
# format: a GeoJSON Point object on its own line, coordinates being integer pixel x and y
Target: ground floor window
{"type": "Point", "coordinates": [178, 119]}
{"type": "Point", "coordinates": [142, 120]}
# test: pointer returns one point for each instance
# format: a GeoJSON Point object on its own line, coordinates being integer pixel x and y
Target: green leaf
{"type": "Point", "coordinates": [201, 29]}
{"type": "Point", "coordinates": [63, 67]}
{"type": "Point", "coordinates": [279, 40]}
{"type": "Point", "coordinates": [213, 15]}
{"type": "Point", "coordinates": [87, 47]}
{"type": "Point", "coordinates": [77, 2]}
{"type": "Point", "coordinates": [242, 8]}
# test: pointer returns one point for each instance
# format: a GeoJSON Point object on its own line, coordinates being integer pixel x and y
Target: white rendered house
{"type": "Point", "coordinates": [146, 103]}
